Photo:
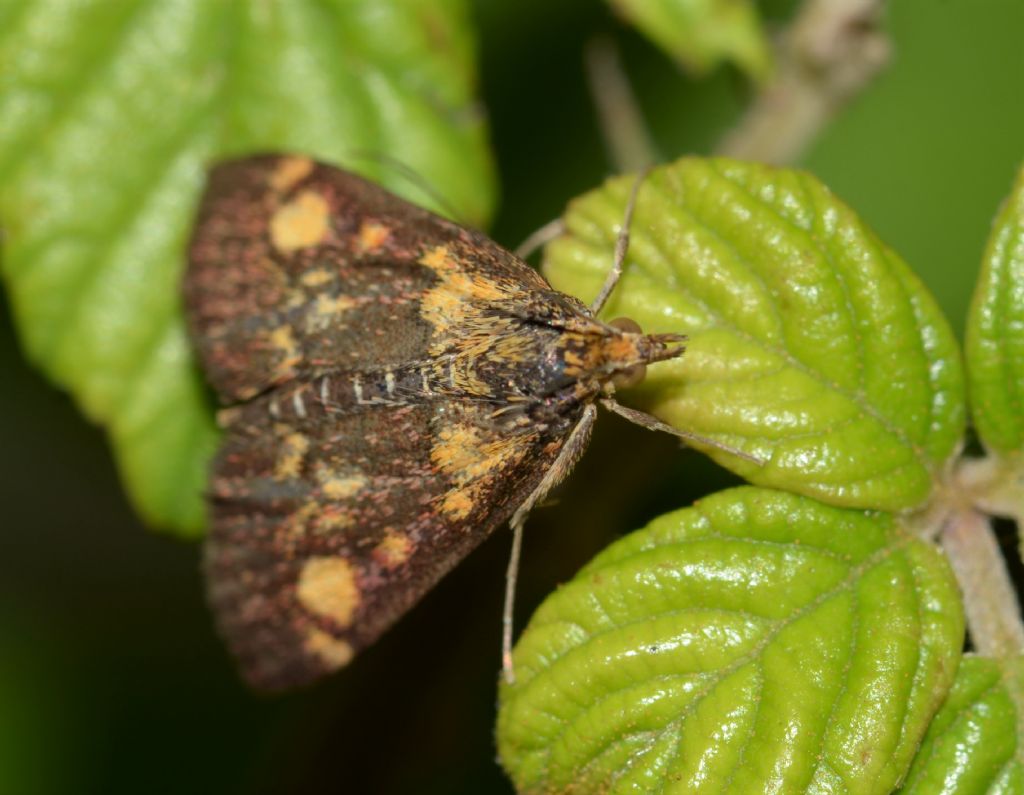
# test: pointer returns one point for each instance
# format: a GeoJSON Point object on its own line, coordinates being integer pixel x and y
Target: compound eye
{"type": "Point", "coordinates": [631, 376]}
{"type": "Point", "coordinates": [626, 324]}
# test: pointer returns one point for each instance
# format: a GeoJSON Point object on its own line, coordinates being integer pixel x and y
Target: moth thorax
{"type": "Point", "coordinates": [634, 373]}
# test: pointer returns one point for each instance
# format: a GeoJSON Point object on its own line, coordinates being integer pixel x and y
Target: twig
{"type": "Point", "coordinates": [994, 485]}
{"type": "Point", "coordinates": [540, 237]}
{"type": "Point", "coordinates": [625, 133]}
{"type": "Point", "coordinates": [990, 602]}
{"type": "Point", "coordinates": [828, 54]}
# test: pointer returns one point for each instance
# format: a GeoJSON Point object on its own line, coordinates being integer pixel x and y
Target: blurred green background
{"type": "Point", "coordinates": [111, 679]}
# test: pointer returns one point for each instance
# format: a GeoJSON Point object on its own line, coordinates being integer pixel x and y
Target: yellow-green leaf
{"type": "Point", "coordinates": [973, 747]}
{"type": "Point", "coordinates": [811, 344]}
{"type": "Point", "coordinates": [756, 642]}
{"type": "Point", "coordinates": [994, 347]}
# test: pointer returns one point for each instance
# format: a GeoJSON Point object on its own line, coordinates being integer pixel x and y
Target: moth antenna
{"type": "Point", "coordinates": [539, 237]}
{"type": "Point", "coordinates": [654, 424]}
{"type": "Point", "coordinates": [621, 247]}
{"type": "Point", "coordinates": [412, 176]}
{"type": "Point", "coordinates": [570, 452]}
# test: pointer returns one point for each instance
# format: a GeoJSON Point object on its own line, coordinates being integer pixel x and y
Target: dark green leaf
{"type": "Point", "coordinates": [112, 111]}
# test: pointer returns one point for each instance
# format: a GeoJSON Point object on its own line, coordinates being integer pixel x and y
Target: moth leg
{"type": "Point", "coordinates": [654, 424]}
{"type": "Point", "coordinates": [540, 237]}
{"type": "Point", "coordinates": [621, 247]}
{"type": "Point", "coordinates": [567, 458]}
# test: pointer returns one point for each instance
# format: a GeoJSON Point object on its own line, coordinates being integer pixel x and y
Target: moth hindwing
{"type": "Point", "coordinates": [397, 386]}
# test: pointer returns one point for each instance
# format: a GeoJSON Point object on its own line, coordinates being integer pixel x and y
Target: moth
{"type": "Point", "coordinates": [396, 387]}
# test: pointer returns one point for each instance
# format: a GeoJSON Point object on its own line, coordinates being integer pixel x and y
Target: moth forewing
{"type": "Point", "coordinates": [401, 386]}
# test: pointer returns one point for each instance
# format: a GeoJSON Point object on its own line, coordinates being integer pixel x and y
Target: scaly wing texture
{"type": "Point", "coordinates": [297, 266]}
{"type": "Point", "coordinates": [344, 491]}
{"type": "Point", "coordinates": [328, 528]}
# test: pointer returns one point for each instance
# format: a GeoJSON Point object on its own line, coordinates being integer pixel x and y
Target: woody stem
{"type": "Point", "coordinates": [829, 53]}
{"type": "Point", "coordinates": [990, 602]}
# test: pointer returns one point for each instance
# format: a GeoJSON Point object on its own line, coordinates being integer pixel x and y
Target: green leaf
{"type": "Point", "coordinates": [700, 34]}
{"type": "Point", "coordinates": [112, 111]}
{"type": "Point", "coordinates": [994, 347]}
{"type": "Point", "coordinates": [756, 642]}
{"type": "Point", "coordinates": [811, 345]}
{"type": "Point", "coordinates": [973, 746]}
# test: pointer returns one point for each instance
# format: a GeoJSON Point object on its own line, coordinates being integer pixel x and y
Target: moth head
{"type": "Point", "coordinates": [626, 351]}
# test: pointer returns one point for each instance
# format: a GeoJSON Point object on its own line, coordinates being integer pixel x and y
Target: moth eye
{"type": "Point", "coordinates": [626, 324]}
{"type": "Point", "coordinates": [631, 376]}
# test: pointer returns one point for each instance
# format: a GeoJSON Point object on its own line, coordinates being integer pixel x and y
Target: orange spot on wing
{"type": "Point", "coordinates": [328, 305]}
{"type": "Point", "coordinates": [456, 450]}
{"type": "Point", "coordinates": [340, 488]}
{"type": "Point", "coordinates": [457, 503]}
{"type": "Point", "coordinates": [327, 586]}
{"type": "Point", "coordinates": [293, 450]}
{"type": "Point", "coordinates": [438, 259]}
{"type": "Point", "coordinates": [372, 235]}
{"type": "Point", "coordinates": [326, 312]}
{"type": "Point", "coordinates": [300, 223]}
{"type": "Point", "coordinates": [332, 518]}
{"type": "Point", "coordinates": [470, 461]}
{"type": "Point", "coordinates": [316, 278]}
{"type": "Point", "coordinates": [461, 297]}
{"type": "Point", "coordinates": [392, 550]}
{"type": "Point", "coordinates": [334, 653]}
{"type": "Point", "coordinates": [289, 172]}
{"type": "Point", "coordinates": [282, 340]}
{"type": "Point", "coordinates": [456, 278]}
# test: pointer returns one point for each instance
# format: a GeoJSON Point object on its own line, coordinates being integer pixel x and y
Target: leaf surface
{"type": "Point", "coordinates": [994, 348]}
{"type": "Point", "coordinates": [701, 34]}
{"type": "Point", "coordinates": [756, 642]}
{"type": "Point", "coordinates": [111, 113]}
{"type": "Point", "coordinates": [973, 746]}
{"type": "Point", "coordinates": [811, 345]}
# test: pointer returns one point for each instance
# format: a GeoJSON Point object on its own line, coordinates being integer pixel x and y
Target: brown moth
{"type": "Point", "coordinates": [398, 387]}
